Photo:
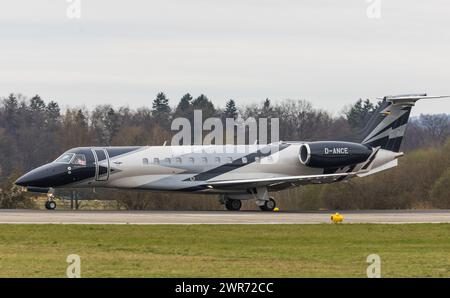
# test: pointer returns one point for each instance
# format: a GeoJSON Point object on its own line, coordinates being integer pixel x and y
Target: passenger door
{"type": "Point", "coordinates": [102, 166]}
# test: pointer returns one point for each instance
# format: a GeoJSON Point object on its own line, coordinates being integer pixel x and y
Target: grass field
{"type": "Point", "coordinates": [225, 250]}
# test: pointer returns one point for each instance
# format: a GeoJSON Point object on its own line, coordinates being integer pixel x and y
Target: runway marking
{"type": "Point", "coordinates": [218, 217]}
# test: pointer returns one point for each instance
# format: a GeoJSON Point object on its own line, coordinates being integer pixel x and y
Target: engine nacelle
{"type": "Point", "coordinates": [330, 154]}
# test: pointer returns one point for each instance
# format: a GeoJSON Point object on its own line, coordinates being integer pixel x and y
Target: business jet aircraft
{"type": "Point", "coordinates": [242, 173]}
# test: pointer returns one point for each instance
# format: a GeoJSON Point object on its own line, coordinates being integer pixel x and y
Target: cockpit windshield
{"type": "Point", "coordinates": [65, 158]}
{"type": "Point", "coordinates": [72, 158]}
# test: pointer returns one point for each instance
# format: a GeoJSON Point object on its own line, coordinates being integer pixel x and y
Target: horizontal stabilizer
{"type": "Point", "coordinates": [409, 98]}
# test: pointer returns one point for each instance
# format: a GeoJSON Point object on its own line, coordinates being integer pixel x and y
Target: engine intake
{"type": "Point", "coordinates": [333, 154]}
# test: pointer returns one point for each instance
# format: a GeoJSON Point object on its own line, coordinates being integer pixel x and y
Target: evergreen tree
{"type": "Point", "coordinates": [37, 112]}
{"type": "Point", "coordinates": [112, 122]}
{"type": "Point", "coordinates": [267, 109]}
{"type": "Point", "coordinates": [203, 103]}
{"type": "Point", "coordinates": [184, 107]}
{"type": "Point", "coordinates": [11, 117]}
{"type": "Point", "coordinates": [53, 114]}
{"type": "Point", "coordinates": [160, 106]}
{"type": "Point", "coordinates": [80, 119]}
{"type": "Point", "coordinates": [230, 109]}
{"type": "Point", "coordinates": [359, 113]}
{"type": "Point", "coordinates": [37, 104]}
{"type": "Point", "coordinates": [11, 103]}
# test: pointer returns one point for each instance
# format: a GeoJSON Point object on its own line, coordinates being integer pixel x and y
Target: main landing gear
{"type": "Point", "coordinates": [233, 204]}
{"type": "Point", "coordinates": [263, 200]}
{"type": "Point", "coordinates": [268, 205]}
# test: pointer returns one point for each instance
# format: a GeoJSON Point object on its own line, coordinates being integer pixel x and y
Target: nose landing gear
{"type": "Point", "coordinates": [50, 204]}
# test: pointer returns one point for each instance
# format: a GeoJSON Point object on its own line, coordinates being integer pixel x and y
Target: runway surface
{"type": "Point", "coordinates": [218, 217]}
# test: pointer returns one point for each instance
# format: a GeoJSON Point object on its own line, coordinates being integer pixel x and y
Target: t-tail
{"type": "Point", "coordinates": [387, 126]}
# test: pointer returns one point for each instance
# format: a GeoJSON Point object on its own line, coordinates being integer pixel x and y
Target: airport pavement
{"type": "Point", "coordinates": [218, 217]}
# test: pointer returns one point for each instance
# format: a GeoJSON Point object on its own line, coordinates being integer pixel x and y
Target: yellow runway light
{"type": "Point", "coordinates": [276, 209]}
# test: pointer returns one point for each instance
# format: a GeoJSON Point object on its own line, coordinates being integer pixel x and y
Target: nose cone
{"type": "Point", "coordinates": [24, 180]}
{"type": "Point", "coordinates": [39, 177]}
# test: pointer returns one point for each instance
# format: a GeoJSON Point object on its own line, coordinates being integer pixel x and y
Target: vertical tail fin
{"type": "Point", "coordinates": [387, 126]}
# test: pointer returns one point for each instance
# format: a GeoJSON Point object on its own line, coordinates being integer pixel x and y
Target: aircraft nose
{"type": "Point", "coordinates": [32, 178]}
{"type": "Point", "coordinates": [37, 177]}
{"type": "Point", "coordinates": [24, 180]}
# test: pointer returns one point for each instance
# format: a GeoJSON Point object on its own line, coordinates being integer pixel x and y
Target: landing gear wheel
{"type": "Point", "coordinates": [268, 205]}
{"type": "Point", "coordinates": [50, 205]}
{"type": "Point", "coordinates": [233, 205]}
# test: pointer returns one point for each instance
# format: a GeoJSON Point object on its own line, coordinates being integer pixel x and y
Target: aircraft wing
{"type": "Point", "coordinates": [270, 182]}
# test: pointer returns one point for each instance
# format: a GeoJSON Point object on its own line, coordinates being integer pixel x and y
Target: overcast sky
{"type": "Point", "coordinates": [124, 52]}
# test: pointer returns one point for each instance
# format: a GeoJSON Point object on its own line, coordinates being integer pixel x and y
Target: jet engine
{"type": "Point", "coordinates": [331, 154]}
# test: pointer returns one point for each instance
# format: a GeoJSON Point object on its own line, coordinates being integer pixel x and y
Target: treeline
{"type": "Point", "coordinates": [34, 131]}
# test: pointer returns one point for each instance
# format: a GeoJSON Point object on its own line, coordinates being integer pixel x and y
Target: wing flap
{"type": "Point", "coordinates": [277, 180]}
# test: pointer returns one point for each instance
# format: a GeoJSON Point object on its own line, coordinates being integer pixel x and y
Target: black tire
{"type": "Point", "coordinates": [50, 205]}
{"type": "Point", "coordinates": [268, 205]}
{"type": "Point", "coordinates": [233, 205]}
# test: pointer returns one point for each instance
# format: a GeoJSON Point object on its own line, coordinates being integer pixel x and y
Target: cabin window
{"type": "Point", "coordinates": [217, 159]}
{"type": "Point", "coordinates": [145, 161]}
{"type": "Point", "coordinates": [205, 160]}
{"type": "Point", "coordinates": [191, 160]}
{"type": "Point", "coordinates": [244, 160]}
{"type": "Point", "coordinates": [229, 160]}
{"type": "Point", "coordinates": [156, 161]}
{"type": "Point", "coordinates": [178, 160]}
{"type": "Point", "coordinates": [257, 159]}
{"type": "Point", "coordinates": [167, 160]}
